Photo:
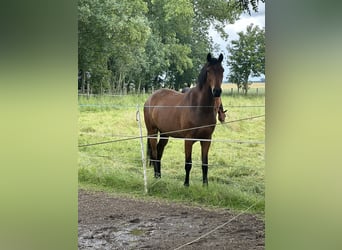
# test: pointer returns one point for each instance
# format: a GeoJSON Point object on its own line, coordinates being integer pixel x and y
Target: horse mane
{"type": "Point", "coordinates": [202, 77]}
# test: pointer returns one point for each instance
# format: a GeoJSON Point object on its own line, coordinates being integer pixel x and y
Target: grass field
{"type": "Point", "coordinates": [236, 170]}
{"type": "Point", "coordinates": [254, 88]}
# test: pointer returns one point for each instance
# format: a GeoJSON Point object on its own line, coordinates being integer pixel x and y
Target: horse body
{"type": "Point", "coordinates": [185, 115]}
{"type": "Point", "coordinates": [186, 112]}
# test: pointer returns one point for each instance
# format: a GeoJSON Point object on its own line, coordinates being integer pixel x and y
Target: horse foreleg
{"type": "Point", "coordinates": [160, 149]}
{"type": "Point", "coordinates": [188, 160]}
{"type": "Point", "coordinates": [205, 149]}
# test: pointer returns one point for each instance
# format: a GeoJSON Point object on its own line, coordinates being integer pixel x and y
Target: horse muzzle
{"type": "Point", "coordinates": [217, 92]}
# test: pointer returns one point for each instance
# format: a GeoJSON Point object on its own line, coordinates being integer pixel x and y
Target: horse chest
{"type": "Point", "coordinates": [202, 127]}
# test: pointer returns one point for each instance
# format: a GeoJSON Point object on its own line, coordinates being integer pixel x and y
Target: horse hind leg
{"type": "Point", "coordinates": [153, 151]}
{"type": "Point", "coordinates": [160, 149]}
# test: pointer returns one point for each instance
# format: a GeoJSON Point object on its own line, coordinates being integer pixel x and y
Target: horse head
{"type": "Point", "coordinates": [214, 74]}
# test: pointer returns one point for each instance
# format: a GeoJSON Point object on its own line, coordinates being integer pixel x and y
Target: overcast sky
{"type": "Point", "coordinates": [232, 30]}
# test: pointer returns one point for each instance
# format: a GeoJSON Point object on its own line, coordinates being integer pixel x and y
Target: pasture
{"type": "Point", "coordinates": [236, 155]}
{"type": "Point", "coordinates": [256, 88]}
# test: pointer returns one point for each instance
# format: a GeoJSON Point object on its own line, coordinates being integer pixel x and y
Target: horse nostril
{"type": "Point", "coordinates": [217, 92]}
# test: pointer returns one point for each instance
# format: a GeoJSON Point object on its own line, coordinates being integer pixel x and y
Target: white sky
{"type": "Point", "coordinates": [232, 30]}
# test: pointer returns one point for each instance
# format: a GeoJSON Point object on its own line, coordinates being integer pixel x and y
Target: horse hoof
{"type": "Point", "coordinates": [157, 176]}
{"type": "Point", "coordinates": [186, 185]}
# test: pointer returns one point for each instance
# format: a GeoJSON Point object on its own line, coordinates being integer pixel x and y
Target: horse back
{"type": "Point", "coordinates": [166, 110]}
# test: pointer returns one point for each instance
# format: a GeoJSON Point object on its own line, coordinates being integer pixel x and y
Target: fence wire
{"type": "Point", "coordinates": [165, 161]}
{"type": "Point", "coordinates": [196, 172]}
{"type": "Point", "coordinates": [164, 106]}
{"type": "Point", "coordinates": [171, 132]}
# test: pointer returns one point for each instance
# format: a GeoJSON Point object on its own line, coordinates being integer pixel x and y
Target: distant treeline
{"type": "Point", "coordinates": [135, 45]}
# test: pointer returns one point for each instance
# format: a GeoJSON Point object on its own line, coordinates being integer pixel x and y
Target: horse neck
{"type": "Point", "coordinates": [205, 96]}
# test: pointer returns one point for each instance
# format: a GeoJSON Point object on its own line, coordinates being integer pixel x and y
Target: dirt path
{"type": "Point", "coordinates": [109, 222]}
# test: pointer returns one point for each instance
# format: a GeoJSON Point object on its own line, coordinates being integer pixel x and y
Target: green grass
{"type": "Point", "coordinates": [236, 171]}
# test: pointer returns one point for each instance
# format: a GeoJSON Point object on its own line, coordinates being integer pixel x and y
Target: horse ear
{"type": "Point", "coordinates": [208, 57]}
{"type": "Point", "coordinates": [221, 58]}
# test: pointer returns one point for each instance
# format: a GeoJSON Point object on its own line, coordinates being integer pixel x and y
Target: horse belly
{"type": "Point", "coordinates": [167, 121]}
{"type": "Point", "coordinates": [203, 133]}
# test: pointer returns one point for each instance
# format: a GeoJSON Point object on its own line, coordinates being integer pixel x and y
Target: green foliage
{"type": "Point", "coordinates": [246, 5]}
{"type": "Point", "coordinates": [236, 171]}
{"type": "Point", "coordinates": [110, 30]}
{"type": "Point", "coordinates": [247, 56]}
{"type": "Point", "coordinates": [133, 43]}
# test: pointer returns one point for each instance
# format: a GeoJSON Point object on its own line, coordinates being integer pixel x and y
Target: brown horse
{"type": "Point", "coordinates": [191, 115]}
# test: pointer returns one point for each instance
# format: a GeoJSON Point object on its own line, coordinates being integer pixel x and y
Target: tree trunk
{"type": "Point", "coordinates": [83, 82]}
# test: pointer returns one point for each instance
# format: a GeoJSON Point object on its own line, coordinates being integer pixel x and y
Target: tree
{"type": "Point", "coordinates": [247, 56]}
{"type": "Point", "coordinates": [110, 32]}
{"type": "Point", "coordinates": [206, 14]}
{"type": "Point", "coordinates": [245, 5]}
{"type": "Point", "coordinates": [122, 42]}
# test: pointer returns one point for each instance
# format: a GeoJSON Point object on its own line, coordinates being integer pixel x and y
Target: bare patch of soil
{"type": "Point", "coordinates": [106, 221]}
